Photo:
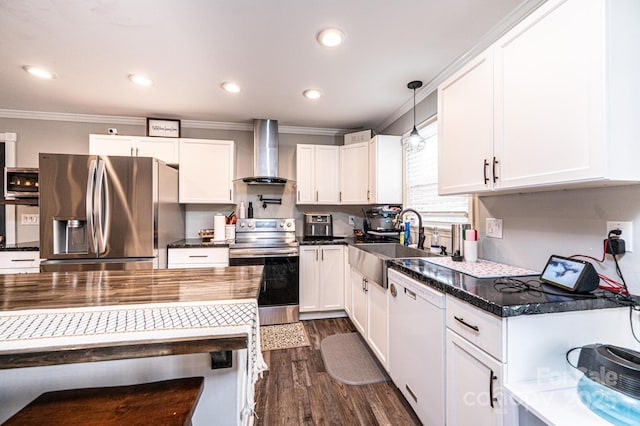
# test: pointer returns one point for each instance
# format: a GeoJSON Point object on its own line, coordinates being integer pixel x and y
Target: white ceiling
{"type": "Point", "coordinates": [268, 47]}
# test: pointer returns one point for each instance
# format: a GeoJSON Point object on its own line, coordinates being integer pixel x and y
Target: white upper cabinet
{"type": "Point", "coordinates": [111, 145]}
{"type": "Point", "coordinates": [465, 128]}
{"type": "Point", "coordinates": [317, 174]}
{"type": "Point", "coordinates": [206, 171]}
{"type": "Point", "coordinates": [354, 173]}
{"type": "Point", "coordinates": [164, 149]}
{"type": "Point", "coordinates": [385, 170]}
{"type": "Point", "coordinates": [564, 103]}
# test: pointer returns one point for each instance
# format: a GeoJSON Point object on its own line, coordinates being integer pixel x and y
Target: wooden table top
{"type": "Point", "coordinates": [53, 290]}
{"type": "Point", "coordinates": [22, 293]}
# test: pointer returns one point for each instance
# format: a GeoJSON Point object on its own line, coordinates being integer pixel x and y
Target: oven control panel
{"type": "Point", "coordinates": [265, 225]}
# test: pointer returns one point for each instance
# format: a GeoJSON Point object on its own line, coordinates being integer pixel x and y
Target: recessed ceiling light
{"type": "Point", "coordinates": [39, 72]}
{"type": "Point", "coordinates": [311, 94]}
{"type": "Point", "coordinates": [230, 87]}
{"type": "Point", "coordinates": [331, 37]}
{"type": "Point", "coordinates": [140, 79]}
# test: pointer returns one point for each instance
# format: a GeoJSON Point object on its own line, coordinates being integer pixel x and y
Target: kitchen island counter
{"type": "Point", "coordinates": [24, 246]}
{"type": "Point", "coordinates": [145, 325]}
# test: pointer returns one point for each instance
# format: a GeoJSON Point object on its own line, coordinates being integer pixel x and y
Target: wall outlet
{"type": "Point", "coordinates": [352, 220]}
{"type": "Point", "coordinates": [627, 232]}
{"type": "Point", "coordinates": [30, 219]}
{"type": "Point", "coordinates": [493, 227]}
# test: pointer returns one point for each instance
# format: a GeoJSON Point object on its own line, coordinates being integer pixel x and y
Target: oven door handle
{"type": "Point", "coordinates": [267, 252]}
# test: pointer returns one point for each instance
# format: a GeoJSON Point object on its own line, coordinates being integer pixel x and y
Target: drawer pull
{"type": "Point", "coordinates": [199, 256]}
{"type": "Point", "coordinates": [492, 377]}
{"type": "Point", "coordinates": [463, 322]}
{"type": "Point", "coordinates": [410, 293]}
{"type": "Point", "coordinates": [413, 395]}
{"type": "Point", "coordinates": [22, 260]}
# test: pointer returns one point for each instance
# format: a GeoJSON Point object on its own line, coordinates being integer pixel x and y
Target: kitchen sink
{"type": "Point", "coordinates": [393, 250]}
{"type": "Point", "coordinates": [370, 258]}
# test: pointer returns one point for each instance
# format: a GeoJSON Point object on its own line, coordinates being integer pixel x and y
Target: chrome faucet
{"type": "Point", "coordinates": [421, 236]}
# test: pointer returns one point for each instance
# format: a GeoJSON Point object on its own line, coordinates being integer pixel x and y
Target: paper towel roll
{"type": "Point", "coordinates": [219, 224]}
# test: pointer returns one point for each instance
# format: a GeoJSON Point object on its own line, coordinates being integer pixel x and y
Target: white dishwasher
{"type": "Point", "coordinates": [417, 344]}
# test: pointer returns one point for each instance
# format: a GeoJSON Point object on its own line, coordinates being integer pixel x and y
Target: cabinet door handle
{"type": "Point", "coordinates": [322, 257]}
{"type": "Point", "coordinates": [492, 377]}
{"type": "Point", "coordinates": [137, 152]}
{"type": "Point", "coordinates": [413, 395]}
{"type": "Point", "coordinates": [340, 196]}
{"type": "Point", "coordinates": [22, 260]}
{"type": "Point", "coordinates": [495, 163]}
{"type": "Point", "coordinates": [131, 152]}
{"type": "Point", "coordinates": [410, 293]}
{"type": "Point", "coordinates": [368, 194]}
{"type": "Point", "coordinates": [463, 322]}
{"type": "Point", "coordinates": [230, 196]}
{"type": "Point", "coordinates": [484, 171]}
{"type": "Point", "coordinates": [316, 255]}
{"type": "Point", "coordinates": [199, 256]}
{"type": "Point", "coordinates": [366, 285]}
{"type": "Point", "coordinates": [298, 195]}
{"type": "Point", "coordinates": [316, 196]}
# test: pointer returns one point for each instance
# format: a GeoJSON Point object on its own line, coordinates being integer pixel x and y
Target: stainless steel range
{"type": "Point", "coordinates": [271, 243]}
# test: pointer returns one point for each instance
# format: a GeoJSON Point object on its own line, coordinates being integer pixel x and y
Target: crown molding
{"type": "Point", "coordinates": [142, 121]}
{"type": "Point", "coordinates": [517, 15]}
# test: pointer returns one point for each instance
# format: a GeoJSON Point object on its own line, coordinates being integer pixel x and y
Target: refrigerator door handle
{"type": "Point", "coordinates": [100, 207]}
{"type": "Point", "coordinates": [107, 211]}
{"type": "Point", "coordinates": [90, 205]}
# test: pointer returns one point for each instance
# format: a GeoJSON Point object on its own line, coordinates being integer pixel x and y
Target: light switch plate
{"type": "Point", "coordinates": [493, 227]}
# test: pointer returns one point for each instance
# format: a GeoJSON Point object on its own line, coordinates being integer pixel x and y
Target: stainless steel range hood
{"type": "Point", "coordinates": [265, 154]}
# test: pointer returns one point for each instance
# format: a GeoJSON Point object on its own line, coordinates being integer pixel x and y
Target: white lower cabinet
{"type": "Point", "coordinates": [475, 354]}
{"type": "Point", "coordinates": [370, 314]}
{"type": "Point", "coordinates": [198, 257]}
{"type": "Point", "coordinates": [321, 278]}
{"type": "Point", "coordinates": [19, 262]}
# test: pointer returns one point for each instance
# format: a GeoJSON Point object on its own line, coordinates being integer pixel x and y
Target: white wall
{"type": "Point", "coordinates": [562, 222]}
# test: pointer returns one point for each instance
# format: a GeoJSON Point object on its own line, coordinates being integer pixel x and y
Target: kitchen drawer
{"type": "Point", "coordinates": [19, 259]}
{"type": "Point", "coordinates": [200, 256]}
{"type": "Point", "coordinates": [478, 327]}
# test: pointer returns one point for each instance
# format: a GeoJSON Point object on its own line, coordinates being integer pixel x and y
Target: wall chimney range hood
{"type": "Point", "coordinates": [265, 154]}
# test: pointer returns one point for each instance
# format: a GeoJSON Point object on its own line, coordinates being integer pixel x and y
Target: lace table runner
{"type": "Point", "coordinates": [482, 268]}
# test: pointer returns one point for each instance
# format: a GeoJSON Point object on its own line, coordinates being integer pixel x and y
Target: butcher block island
{"type": "Point", "coordinates": [69, 330]}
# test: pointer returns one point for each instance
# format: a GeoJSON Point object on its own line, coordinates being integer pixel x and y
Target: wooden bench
{"type": "Point", "coordinates": [169, 402]}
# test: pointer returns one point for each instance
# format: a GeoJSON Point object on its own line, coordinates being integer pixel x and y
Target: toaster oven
{"type": "Point", "coordinates": [20, 182]}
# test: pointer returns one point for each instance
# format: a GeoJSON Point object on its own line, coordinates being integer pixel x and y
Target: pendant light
{"type": "Point", "coordinates": [414, 142]}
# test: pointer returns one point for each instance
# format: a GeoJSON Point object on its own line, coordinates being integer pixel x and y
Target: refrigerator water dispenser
{"type": "Point", "coordinates": [70, 236]}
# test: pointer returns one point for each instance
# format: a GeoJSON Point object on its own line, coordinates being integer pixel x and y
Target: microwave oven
{"type": "Point", "coordinates": [20, 182]}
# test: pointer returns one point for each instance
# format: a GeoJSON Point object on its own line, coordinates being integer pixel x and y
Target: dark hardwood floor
{"type": "Point", "coordinates": [296, 390]}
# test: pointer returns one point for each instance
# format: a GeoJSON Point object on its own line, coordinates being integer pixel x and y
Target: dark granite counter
{"type": "Point", "coordinates": [488, 295]}
{"type": "Point", "coordinates": [195, 243]}
{"type": "Point", "coordinates": [307, 241]}
{"type": "Point", "coordinates": [28, 246]}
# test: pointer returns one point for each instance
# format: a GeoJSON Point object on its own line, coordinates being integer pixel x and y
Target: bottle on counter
{"type": "Point", "coordinates": [407, 233]}
{"type": "Point", "coordinates": [242, 213]}
{"type": "Point", "coordinates": [402, 234]}
{"type": "Point", "coordinates": [435, 241]}
{"type": "Point", "coordinates": [250, 210]}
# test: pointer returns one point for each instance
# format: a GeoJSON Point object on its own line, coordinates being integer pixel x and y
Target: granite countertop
{"type": "Point", "coordinates": [486, 295]}
{"type": "Point", "coordinates": [27, 246]}
{"type": "Point", "coordinates": [350, 240]}
{"type": "Point", "coordinates": [195, 243]}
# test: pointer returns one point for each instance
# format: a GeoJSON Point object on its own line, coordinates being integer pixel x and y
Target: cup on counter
{"type": "Point", "coordinates": [470, 251]}
{"type": "Point", "coordinates": [230, 233]}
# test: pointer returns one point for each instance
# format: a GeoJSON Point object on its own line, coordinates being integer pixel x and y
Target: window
{"type": "Point", "coordinates": [421, 183]}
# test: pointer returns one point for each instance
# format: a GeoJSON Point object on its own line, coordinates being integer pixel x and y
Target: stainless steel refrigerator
{"type": "Point", "coordinates": [107, 213]}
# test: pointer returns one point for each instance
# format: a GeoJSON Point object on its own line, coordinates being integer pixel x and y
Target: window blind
{"type": "Point", "coordinates": [421, 183]}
